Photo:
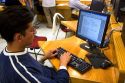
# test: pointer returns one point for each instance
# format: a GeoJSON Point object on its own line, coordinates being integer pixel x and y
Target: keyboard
{"type": "Point", "coordinates": [77, 63]}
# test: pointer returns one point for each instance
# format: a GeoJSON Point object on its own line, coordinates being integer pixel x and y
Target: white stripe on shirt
{"type": "Point", "coordinates": [26, 70]}
{"type": "Point", "coordinates": [13, 65]}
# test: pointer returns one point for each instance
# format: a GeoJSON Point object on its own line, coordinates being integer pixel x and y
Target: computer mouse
{"type": "Point", "coordinates": [105, 64]}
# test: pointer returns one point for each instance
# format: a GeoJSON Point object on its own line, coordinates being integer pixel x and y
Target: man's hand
{"type": "Point", "coordinates": [49, 55]}
{"type": "Point", "coordinates": [64, 59]}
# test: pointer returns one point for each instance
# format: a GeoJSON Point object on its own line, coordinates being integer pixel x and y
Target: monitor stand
{"type": "Point", "coordinates": [96, 57]}
{"type": "Point", "coordinates": [90, 48]}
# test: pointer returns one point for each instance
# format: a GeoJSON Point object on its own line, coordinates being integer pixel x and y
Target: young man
{"type": "Point", "coordinates": [16, 65]}
{"type": "Point", "coordinates": [49, 10]}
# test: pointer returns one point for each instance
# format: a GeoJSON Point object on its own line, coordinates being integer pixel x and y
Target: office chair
{"type": "Point", "coordinates": [55, 30]}
{"type": "Point", "coordinates": [35, 45]}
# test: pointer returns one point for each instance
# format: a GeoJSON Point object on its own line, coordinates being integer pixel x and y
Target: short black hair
{"type": "Point", "coordinates": [14, 19]}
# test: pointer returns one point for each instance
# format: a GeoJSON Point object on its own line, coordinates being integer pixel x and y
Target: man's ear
{"type": "Point", "coordinates": [18, 37]}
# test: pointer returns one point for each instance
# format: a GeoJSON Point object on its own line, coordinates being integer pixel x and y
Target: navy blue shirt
{"type": "Point", "coordinates": [20, 67]}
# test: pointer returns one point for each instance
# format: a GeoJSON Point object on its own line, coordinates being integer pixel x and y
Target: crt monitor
{"type": "Point", "coordinates": [92, 27]}
{"type": "Point", "coordinates": [97, 5]}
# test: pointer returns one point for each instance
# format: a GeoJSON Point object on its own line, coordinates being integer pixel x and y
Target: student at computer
{"type": "Point", "coordinates": [16, 65]}
{"type": "Point", "coordinates": [76, 4]}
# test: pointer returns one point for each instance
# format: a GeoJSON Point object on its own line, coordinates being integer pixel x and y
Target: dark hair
{"type": "Point", "coordinates": [13, 20]}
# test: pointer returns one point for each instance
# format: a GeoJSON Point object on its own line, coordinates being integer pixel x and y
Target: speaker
{"type": "Point", "coordinates": [123, 33]}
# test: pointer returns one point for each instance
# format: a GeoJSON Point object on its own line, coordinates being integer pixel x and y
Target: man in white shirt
{"type": "Point", "coordinates": [76, 4]}
{"type": "Point", "coordinates": [49, 10]}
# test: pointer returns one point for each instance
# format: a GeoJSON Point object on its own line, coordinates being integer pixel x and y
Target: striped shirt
{"type": "Point", "coordinates": [20, 67]}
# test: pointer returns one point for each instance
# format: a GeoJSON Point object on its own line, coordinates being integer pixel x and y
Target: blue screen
{"type": "Point", "coordinates": [2, 1]}
{"type": "Point", "coordinates": [91, 26]}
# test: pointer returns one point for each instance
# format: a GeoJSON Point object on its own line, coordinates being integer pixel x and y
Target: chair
{"type": "Point", "coordinates": [55, 30]}
{"type": "Point", "coordinates": [64, 29]}
{"type": "Point", "coordinates": [35, 45]}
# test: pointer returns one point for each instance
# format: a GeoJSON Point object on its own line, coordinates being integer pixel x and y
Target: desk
{"type": "Point", "coordinates": [92, 76]}
{"type": "Point", "coordinates": [67, 1]}
{"type": "Point", "coordinates": [72, 25]}
{"type": "Point", "coordinates": [1, 8]}
{"type": "Point", "coordinates": [119, 49]}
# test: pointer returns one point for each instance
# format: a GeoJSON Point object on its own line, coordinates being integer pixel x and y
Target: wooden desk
{"type": "Point", "coordinates": [67, 1]}
{"type": "Point", "coordinates": [119, 50]}
{"type": "Point", "coordinates": [92, 76]}
{"type": "Point", "coordinates": [1, 8]}
{"type": "Point", "coordinates": [70, 24]}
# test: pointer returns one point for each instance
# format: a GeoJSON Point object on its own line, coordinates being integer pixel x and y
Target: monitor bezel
{"type": "Point", "coordinates": [105, 30]}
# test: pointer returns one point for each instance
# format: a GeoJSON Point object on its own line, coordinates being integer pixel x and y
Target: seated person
{"type": "Point", "coordinates": [16, 65]}
{"type": "Point", "coordinates": [76, 4]}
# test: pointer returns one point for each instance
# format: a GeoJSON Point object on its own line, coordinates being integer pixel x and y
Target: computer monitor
{"type": "Point", "coordinates": [97, 5]}
{"type": "Point", "coordinates": [92, 27]}
{"type": "Point", "coordinates": [2, 1]}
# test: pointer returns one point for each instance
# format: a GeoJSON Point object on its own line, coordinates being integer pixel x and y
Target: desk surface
{"type": "Point", "coordinates": [120, 54]}
{"type": "Point", "coordinates": [94, 75]}
{"type": "Point", "coordinates": [66, 1]}
{"type": "Point", "coordinates": [70, 24]}
{"type": "Point", "coordinates": [1, 8]}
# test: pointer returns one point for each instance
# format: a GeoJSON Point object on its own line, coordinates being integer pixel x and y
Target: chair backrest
{"type": "Point", "coordinates": [35, 41]}
{"type": "Point", "coordinates": [56, 25]}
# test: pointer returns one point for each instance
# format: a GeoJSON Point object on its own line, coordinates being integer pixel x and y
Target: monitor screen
{"type": "Point", "coordinates": [92, 26]}
{"type": "Point", "coordinates": [2, 1]}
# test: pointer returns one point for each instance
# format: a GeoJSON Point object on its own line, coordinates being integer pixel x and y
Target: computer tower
{"type": "Point", "coordinates": [117, 5]}
{"type": "Point", "coordinates": [97, 5]}
{"type": "Point", "coordinates": [113, 3]}
{"type": "Point", "coordinates": [123, 33]}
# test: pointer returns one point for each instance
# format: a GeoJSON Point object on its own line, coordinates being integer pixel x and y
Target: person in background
{"type": "Point", "coordinates": [16, 65]}
{"type": "Point", "coordinates": [76, 4]}
{"type": "Point", "coordinates": [37, 20]}
{"type": "Point", "coordinates": [49, 10]}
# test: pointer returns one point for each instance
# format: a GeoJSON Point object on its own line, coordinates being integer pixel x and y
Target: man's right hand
{"type": "Point", "coordinates": [64, 59]}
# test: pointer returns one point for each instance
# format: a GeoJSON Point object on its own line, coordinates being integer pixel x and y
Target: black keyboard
{"type": "Point", "coordinates": [77, 63]}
